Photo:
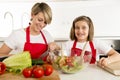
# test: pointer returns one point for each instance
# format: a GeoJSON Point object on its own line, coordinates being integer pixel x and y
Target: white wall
{"type": "Point", "coordinates": [105, 15]}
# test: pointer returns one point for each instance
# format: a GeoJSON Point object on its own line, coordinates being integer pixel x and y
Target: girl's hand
{"type": "Point", "coordinates": [104, 62]}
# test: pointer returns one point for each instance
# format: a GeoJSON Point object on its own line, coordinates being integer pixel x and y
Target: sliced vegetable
{"type": "Point", "coordinates": [37, 62]}
{"type": "Point", "coordinates": [17, 62]}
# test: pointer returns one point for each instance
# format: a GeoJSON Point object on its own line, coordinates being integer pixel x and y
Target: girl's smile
{"type": "Point", "coordinates": [81, 31]}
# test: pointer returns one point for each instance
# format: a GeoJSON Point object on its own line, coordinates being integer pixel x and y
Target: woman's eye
{"type": "Point", "coordinates": [40, 20]}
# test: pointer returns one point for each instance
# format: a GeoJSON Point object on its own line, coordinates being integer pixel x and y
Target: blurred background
{"type": "Point", "coordinates": [15, 14]}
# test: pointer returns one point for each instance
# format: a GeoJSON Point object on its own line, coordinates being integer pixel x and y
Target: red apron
{"type": "Point", "coordinates": [76, 51]}
{"type": "Point", "coordinates": [35, 49]}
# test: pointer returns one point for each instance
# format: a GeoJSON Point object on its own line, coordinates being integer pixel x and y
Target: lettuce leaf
{"type": "Point", "coordinates": [17, 62]}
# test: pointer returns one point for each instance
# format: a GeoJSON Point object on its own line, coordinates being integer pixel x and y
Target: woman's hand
{"type": "Point", "coordinates": [53, 46]}
{"type": "Point", "coordinates": [53, 51]}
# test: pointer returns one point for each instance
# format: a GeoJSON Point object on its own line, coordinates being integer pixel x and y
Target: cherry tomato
{"type": "Point", "coordinates": [48, 69]}
{"type": "Point", "coordinates": [38, 72]}
{"type": "Point", "coordinates": [27, 72]}
{"type": "Point", "coordinates": [2, 68]}
{"type": "Point", "coordinates": [69, 59]}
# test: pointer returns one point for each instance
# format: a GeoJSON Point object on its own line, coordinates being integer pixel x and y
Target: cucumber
{"type": "Point", "coordinates": [37, 62]}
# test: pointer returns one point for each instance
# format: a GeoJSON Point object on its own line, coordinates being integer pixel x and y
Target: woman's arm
{"type": "Point", "coordinates": [4, 50]}
{"type": "Point", "coordinates": [113, 56]}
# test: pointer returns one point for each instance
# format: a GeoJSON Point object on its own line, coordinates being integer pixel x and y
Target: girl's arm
{"type": "Point", "coordinates": [113, 56]}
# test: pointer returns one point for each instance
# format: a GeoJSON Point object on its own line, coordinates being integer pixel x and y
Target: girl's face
{"type": "Point", "coordinates": [81, 31]}
{"type": "Point", "coordinates": [38, 22]}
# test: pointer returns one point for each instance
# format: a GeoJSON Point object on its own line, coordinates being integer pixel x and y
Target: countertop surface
{"type": "Point", "coordinates": [12, 76]}
{"type": "Point", "coordinates": [91, 72]}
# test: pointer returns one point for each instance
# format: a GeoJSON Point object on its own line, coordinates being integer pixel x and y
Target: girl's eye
{"type": "Point", "coordinates": [83, 27]}
{"type": "Point", "coordinates": [77, 28]}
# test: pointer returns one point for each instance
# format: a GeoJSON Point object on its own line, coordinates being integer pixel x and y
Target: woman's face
{"type": "Point", "coordinates": [38, 22]}
{"type": "Point", "coordinates": [81, 31]}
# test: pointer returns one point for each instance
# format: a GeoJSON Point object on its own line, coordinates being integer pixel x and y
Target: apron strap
{"type": "Point", "coordinates": [74, 44]}
{"type": "Point", "coordinates": [28, 36]}
{"type": "Point", "coordinates": [93, 60]}
{"type": "Point", "coordinates": [43, 37]}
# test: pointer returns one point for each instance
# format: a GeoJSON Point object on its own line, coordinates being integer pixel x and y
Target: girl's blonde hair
{"type": "Point", "coordinates": [45, 9]}
{"type": "Point", "coordinates": [90, 24]}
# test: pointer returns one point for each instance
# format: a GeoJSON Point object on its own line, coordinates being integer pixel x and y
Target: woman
{"type": "Point", "coordinates": [82, 31]}
{"type": "Point", "coordinates": [33, 38]}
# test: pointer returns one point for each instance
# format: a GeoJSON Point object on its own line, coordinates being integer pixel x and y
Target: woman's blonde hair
{"type": "Point", "coordinates": [45, 9]}
{"type": "Point", "coordinates": [90, 24]}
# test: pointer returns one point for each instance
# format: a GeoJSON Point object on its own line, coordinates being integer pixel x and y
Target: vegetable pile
{"type": "Point", "coordinates": [38, 71]}
{"type": "Point", "coordinates": [16, 63]}
{"type": "Point", "coordinates": [23, 64]}
{"type": "Point", "coordinates": [67, 64]}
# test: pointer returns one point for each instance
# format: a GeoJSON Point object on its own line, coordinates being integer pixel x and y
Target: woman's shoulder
{"type": "Point", "coordinates": [21, 30]}
{"type": "Point", "coordinates": [48, 35]}
{"type": "Point", "coordinates": [17, 33]}
{"type": "Point", "coordinates": [45, 32]}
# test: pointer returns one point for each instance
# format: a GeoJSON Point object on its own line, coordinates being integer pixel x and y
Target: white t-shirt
{"type": "Point", "coordinates": [17, 39]}
{"type": "Point", "coordinates": [100, 46]}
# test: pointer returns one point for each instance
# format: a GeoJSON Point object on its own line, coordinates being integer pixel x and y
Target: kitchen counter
{"type": "Point", "coordinates": [92, 72]}
{"type": "Point", "coordinates": [12, 76]}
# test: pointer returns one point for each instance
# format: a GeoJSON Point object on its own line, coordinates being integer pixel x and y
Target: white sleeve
{"type": "Point", "coordinates": [48, 36]}
{"type": "Point", "coordinates": [11, 40]}
{"type": "Point", "coordinates": [68, 46]}
{"type": "Point", "coordinates": [102, 47]}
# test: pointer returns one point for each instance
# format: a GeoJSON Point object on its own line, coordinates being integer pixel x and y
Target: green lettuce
{"type": "Point", "coordinates": [16, 63]}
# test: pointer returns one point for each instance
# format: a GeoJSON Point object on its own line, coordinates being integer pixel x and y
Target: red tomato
{"type": "Point", "coordinates": [48, 69]}
{"type": "Point", "coordinates": [69, 59]}
{"type": "Point", "coordinates": [2, 68]}
{"type": "Point", "coordinates": [38, 72]}
{"type": "Point", "coordinates": [27, 72]}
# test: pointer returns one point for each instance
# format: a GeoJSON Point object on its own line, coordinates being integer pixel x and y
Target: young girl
{"type": "Point", "coordinates": [33, 38]}
{"type": "Point", "coordinates": [82, 31]}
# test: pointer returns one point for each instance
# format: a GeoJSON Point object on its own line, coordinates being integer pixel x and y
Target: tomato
{"type": "Point", "coordinates": [2, 68]}
{"type": "Point", "coordinates": [38, 72]}
{"type": "Point", "coordinates": [68, 60]}
{"type": "Point", "coordinates": [48, 69]}
{"type": "Point", "coordinates": [27, 72]}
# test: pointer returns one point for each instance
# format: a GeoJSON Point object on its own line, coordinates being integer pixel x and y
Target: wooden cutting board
{"type": "Point", "coordinates": [113, 68]}
{"type": "Point", "coordinates": [12, 76]}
